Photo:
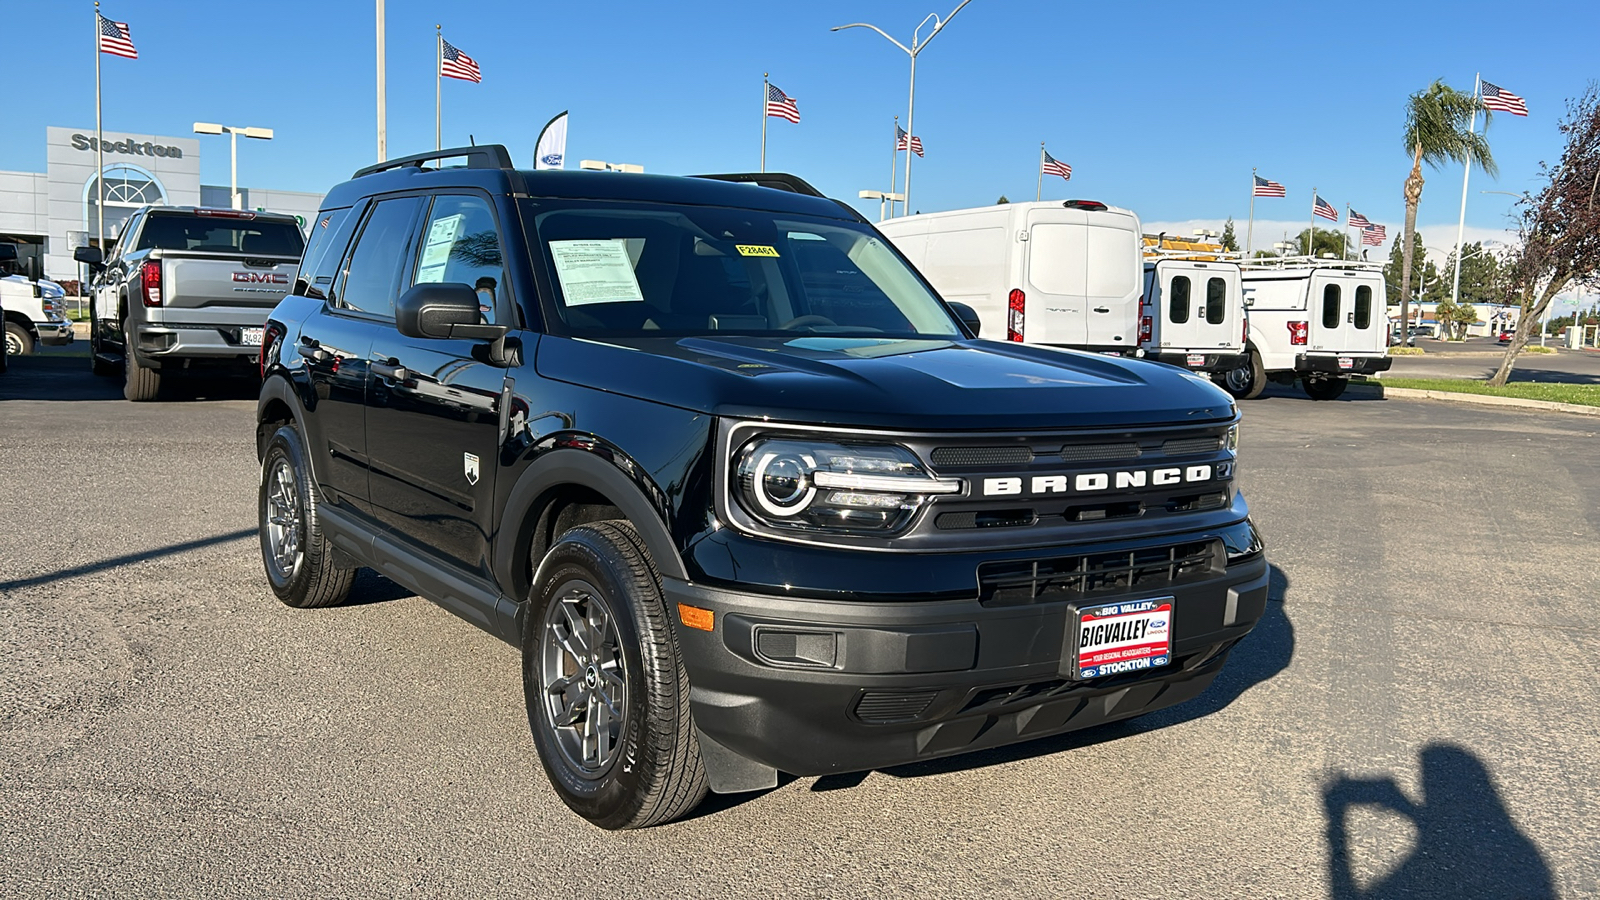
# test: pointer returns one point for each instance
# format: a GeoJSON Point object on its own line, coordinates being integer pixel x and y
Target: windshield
{"type": "Point", "coordinates": [645, 269]}
{"type": "Point", "coordinates": [268, 237]}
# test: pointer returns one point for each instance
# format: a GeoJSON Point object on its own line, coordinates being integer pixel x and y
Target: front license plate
{"type": "Point", "coordinates": [250, 336]}
{"type": "Point", "coordinates": [1123, 637]}
{"type": "Point", "coordinates": [1197, 359]}
{"type": "Point", "coordinates": [1346, 362]}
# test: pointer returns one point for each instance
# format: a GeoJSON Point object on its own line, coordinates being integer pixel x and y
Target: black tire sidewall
{"type": "Point", "coordinates": [612, 800]}
{"type": "Point", "coordinates": [1325, 389]}
{"type": "Point", "coordinates": [285, 444]}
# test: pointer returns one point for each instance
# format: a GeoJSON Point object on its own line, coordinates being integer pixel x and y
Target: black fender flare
{"type": "Point", "coordinates": [277, 388]}
{"type": "Point", "coordinates": [628, 492]}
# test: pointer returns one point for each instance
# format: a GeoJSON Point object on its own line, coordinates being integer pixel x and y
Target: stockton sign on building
{"type": "Point", "coordinates": [130, 147]}
{"type": "Point", "coordinates": [49, 213]}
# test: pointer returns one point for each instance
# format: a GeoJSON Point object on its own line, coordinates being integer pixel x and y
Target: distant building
{"type": "Point", "coordinates": [49, 214]}
{"type": "Point", "coordinates": [1492, 318]}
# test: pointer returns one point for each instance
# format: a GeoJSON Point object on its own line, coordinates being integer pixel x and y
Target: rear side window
{"type": "Point", "coordinates": [221, 234]}
{"type": "Point", "coordinates": [1363, 306]}
{"type": "Point", "coordinates": [330, 235]}
{"type": "Point", "coordinates": [1330, 306]}
{"type": "Point", "coordinates": [1178, 302]}
{"type": "Point", "coordinates": [373, 273]}
{"type": "Point", "coordinates": [1216, 300]}
{"type": "Point", "coordinates": [460, 244]}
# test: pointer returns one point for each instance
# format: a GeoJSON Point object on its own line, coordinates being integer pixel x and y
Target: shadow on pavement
{"type": "Point", "coordinates": [57, 375]}
{"type": "Point", "coordinates": [1466, 844]}
{"type": "Point", "coordinates": [126, 559]}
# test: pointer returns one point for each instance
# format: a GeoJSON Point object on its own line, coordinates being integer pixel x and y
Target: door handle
{"type": "Point", "coordinates": [391, 371]}
{"type": "Point", "coordinates": [313, 352]}
{"type": "Point", "coordinates": [1102, 309]}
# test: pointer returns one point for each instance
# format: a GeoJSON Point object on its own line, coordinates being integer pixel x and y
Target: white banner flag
{"type": "Point", "coordinates": [551, 152]}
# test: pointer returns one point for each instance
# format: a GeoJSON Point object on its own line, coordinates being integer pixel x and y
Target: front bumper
{"type": "Point", "coordinates": [1329, 365]}
{"type": "Point", "coordinates": [812, 687]}
{"type": "Point", "coordinates": [1199, 360]}
{"type": "Point", "coordinates": [54, 334]}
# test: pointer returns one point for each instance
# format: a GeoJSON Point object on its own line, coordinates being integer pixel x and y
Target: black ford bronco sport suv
{"type": "Point", "coordinates": [746, 493]}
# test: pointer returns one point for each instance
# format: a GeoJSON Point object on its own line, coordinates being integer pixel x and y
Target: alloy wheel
{"type": "Point", "coordinates": [284, 520]}
{"type": "Point", "coordinates": [584, 674]}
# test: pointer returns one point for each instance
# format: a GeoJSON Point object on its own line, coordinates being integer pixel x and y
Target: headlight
{"type": "Point", "coordinates": [1232, 443]}
{"type": "Point", "coordinates": [814, 486]}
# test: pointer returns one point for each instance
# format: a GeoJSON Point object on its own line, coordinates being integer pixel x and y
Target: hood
{"type": "Point", "coordinates": [934, 385]}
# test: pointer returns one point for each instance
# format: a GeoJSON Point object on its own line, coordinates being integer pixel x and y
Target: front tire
{"type": "Point", "coordinates": [297, 556]}
{"type": "Point", "coordinates": [1248, 379]}
{"type": "Point", "coordinates": [607, 693]}
{"type": "Point", "coordinates": [1324, 388]}
{"type": "Point", "coordinates": [18, 341]}
{"type": "Point", "coordinates": [143, 383]}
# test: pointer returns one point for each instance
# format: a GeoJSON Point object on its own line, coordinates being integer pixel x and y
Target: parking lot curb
{"type": "Point", "coordinates": [1484, 400]}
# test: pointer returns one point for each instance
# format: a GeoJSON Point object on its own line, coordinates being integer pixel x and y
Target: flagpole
{"type": "Point", "coordinates": [894, 165]}
{"type": "Point", "coordinates": [438, 88]}
{"type": "Point", "coordinates": [99, 135]}
{"type": "Point", "coordinates": [1466, 174]}
{"type": "Point", "coordinates": [1038, 192]}
{"type": "Point", "coordinates": [1344, 251]}
{"type": "Point", "coordinates": [1311, 241]}
{"type": "Point", "coordinates": [764, 77]}
{"type": "Point", "coordinates": [383, 105]}
{"type": "Point", "coordinates": [1250, 230]}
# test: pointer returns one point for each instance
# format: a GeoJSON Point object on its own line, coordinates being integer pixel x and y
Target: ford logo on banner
{"type": "Point", "coordinates": [553, 160]}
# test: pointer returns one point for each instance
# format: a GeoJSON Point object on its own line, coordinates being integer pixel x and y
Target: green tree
{"type": "Point", "coordinates": [1391, 269]}
{"type": "Point", "coordinates": [1328, 241]}
{"type": "Point", "coordinates": [1002, 200]}
{"type": "Point", "coordinates": [1438, 130]}
{"type": "Point", "coordinates": [1230, 241]}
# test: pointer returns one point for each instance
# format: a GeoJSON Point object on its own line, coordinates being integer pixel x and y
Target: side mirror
{"type": "Point", "coordinates": [94, 256]}
{"type": "Point", "coordinates": [8, 253]}
{"type": "Point", "coordinates": [446, 310]}
{"type": "Point", "coordinates": [967, 315]}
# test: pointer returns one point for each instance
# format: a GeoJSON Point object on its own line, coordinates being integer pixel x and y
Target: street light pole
{"type": "Point", "coordinates": [233, 132]}
{"type": "Point", "coordinates": [917, 46]}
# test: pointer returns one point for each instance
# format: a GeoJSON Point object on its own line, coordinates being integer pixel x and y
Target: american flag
{"type": "Point", "coordinates": [455, 64]}
{"type": "Point", "coordinates": [115, 38]}
{"type": "Point", "coordinates": [1324, 209]}
{"type": "Point", "coordinates": [1268, 188]}
{"type": "Point", "coordinates": [900, 141]}
{"type": "Point", "coordinates": [1374, 235]}
{"type": "Point", "coordinates": [781, 105]}
{"type": "Point", "coordinates": [1357, 219]}
{"type": "Point", "coordinates": [1053, 166]}
{"type": "Point", "coordinates": [1501, 100]}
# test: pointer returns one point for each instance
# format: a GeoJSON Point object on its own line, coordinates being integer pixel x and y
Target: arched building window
{"type": "Point", "coordinates": [128, 187]}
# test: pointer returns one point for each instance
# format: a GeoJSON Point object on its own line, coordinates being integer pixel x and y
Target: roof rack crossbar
{"type": "Point", "coordinates": [780, 181]}
{"type": "Point", "coordinates": [480, 156]}
{"type": "Point", "coordinates": [1309, 262]}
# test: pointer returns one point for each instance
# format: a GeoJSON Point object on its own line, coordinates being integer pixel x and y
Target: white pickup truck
{"type": "Point", "coordinates": [187, 288]}
{"type": "Point", "coordinates": [32, 312]}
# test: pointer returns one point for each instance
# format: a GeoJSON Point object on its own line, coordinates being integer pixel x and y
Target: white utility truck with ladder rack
{"type": "Point", "coordinates": [1192, 313]}
{"type": "Point", "coordinates": [1320, 321]}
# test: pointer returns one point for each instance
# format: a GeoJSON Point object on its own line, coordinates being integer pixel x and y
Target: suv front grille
{"type": "Point", "coordinates": [965, 457]}
{"type": "Point", "coordinates": [1071, 577]}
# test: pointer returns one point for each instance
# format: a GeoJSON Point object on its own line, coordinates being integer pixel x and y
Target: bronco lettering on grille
{"type": "Point", "coordinates": [1090, 482]}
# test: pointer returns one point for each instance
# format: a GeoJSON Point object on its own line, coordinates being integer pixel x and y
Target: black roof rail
{"type": "Point", "coordinates": [480, 156]}
{"type": "Point", "coordinates": [780, 181]}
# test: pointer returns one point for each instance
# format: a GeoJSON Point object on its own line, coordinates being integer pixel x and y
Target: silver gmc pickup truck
{"type": "Point", "coordinates": [187, 288]}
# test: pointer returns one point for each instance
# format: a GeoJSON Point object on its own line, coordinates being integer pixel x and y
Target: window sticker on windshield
{"type": "Point", "coordinates": [756, 250]}
{"type": "Point", "coordinates": [436, 252]}
{"type": "Point", "coordinates": [596, 272]}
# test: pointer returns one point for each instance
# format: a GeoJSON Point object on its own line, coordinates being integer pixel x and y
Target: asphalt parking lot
{"type": "Point", "coordinates": [1416, 715]}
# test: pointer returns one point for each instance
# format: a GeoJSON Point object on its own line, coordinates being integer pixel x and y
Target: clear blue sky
{"type": "Point", "coordinates": [1160, 110]}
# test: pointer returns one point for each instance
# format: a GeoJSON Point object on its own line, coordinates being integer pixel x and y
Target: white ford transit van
{"type": "Point", "coordinates": [1193, 312]}
{"type": "Point", "coordinates": [1066, 274]}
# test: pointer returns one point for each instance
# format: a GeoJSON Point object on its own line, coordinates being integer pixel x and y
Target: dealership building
{"type": "Point", "coordinates": [48, 214]}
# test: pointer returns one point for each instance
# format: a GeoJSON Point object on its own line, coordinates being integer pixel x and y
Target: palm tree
{"type": "Point", "coordinates": [1438, 130]}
